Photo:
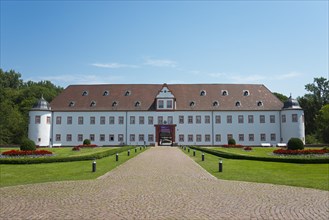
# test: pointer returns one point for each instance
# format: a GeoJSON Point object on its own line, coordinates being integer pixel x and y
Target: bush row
{"type": "Point", "coordinates": [97, 155]}
{"type": "Point", "coordinates": [269, 159]}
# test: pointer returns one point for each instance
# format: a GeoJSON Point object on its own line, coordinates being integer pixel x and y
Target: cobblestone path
{"type": "Point", "coordinates": [161, 183]}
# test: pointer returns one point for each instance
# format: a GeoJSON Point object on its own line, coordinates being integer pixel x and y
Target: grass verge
{"type": "Point", "coordinates": [21, 174]}
{"type": "Point", "coordinates": [292, 174]}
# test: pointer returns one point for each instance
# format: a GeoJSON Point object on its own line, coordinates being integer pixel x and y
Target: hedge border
{"type": "Point", "coordinates": [54, 159]}
{"type": "Point", "coordinates": [267, 159]}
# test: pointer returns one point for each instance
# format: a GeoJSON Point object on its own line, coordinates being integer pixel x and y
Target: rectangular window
{"type": "Point", "coordinates": [120, 138]}
{"type": "Point", "coordinates": [240, 119]}
{"type": "Point", "coordinates": [198, 138]}
{"type": "Point", "coordinates": [58, 120]}
{"type": "Point", "coordinates": [92, 120]}
{"type": "Point", "coordinates": [181, 138]}
{"type": "Point", "coordinates": [272, 118]}
{"type": "Point", "coordinates": [150, 137]}
{"type": "Point", "coordinates": [190, 119]}
{"type": "Point", "coordinates": [69, 137]}
{"type": "Point", "coordinates": [284, 119]}
{"type": "Point", "coordinates": [58, 137]}
{"type": "Point", "coordinates": [217, 119]}
{"type": "Point", "coordinates": [294, 118]}
{"type": "Point", "coordinates": [80, 120]}
{"type": "Point", "coordinates": [198, 119]}
{"type": "Point", "coordinates": [102, 137]}
{"type": "Point", "coordinates": [141, 137]}
{"type": "Point", "coordinates": [207, 119]}
{"type": "Point", "coordinates": [102, 120]}
{"type": "Point", "coordinates": [250, 119]}
{"type": "Point", "coordinates": [169, 103]}
{"type": "Point", "coordinates": [132, 120]}
{"type": "Point", "coordinates": [262, 118]}
{"type": "Point", "coordinates": [92, 137]}
{"type": "Point", "coordinates": [121, 120]}
{"type": "Point", "coordinates": [111, 120]}
{"type": "Point", "coordinates": [262, 137]}
{"type": "Point", "coordinates": [229, 136]}
{"type": "Point", "coordinates": [241, 137]}
{"type": "Point", "coordinates": [190, 138]}
{"type": "Point", "coordinates": [80, 137]}
{"type": "Point", "coordinates": [150, 120]}
{"type": "Point", "coordinates": [251, 137]}
{"type": "Point", "coordinates": [273, 137]}
{"type": "Point", "coordinates": [141, 120]}
{"type": "Point", "coordinates": [111, 137]}
{"type": "Point", "coordinates": [160, 104]}
{"type": "Point", "coordinates": [160, 120]}
{"type": "Point", "coordinates": [37, 119]}
{"type": "Point", "coordinates": [207, 138]}
{"type": "Point", "coordinates": [132, 137]}
{"type": "Point", "coordinates": [170, 120]}
{"type": "Point", "coordinates": [48, 120]}
{"type": "Point", "coordinates": [218, 138]}
{"type": "Point", "coordinates": [69, 120]}
{"type": "Point", "coordinates": [229, 119]}
{"type": "Point", "coordinates": [181, 119]}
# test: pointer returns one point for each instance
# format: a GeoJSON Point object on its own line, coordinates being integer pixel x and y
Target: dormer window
{"type": "Point", "coordinates": [114, 104]}
{"type": "Point", "coordinates": [71, 104]}
{"type": "Point", "coordinates": [137, 104]}
{"type": "Point", "coordinates": [224, 93]}
{"type": "Point", "coordinates": [106, 93]}
{"type": "Point", "coordinates": [192, 104]}
{"type": "Point", "coordinates": [128, 93]}
{"type": "Point", "coordinates": [84, 93]}
{"type": "Point", "coordinates": [238, 104]}
{"type": "Point", "coordinates": [246, 93]}
{"type": "Point", "coordinates": [215, 104]}
{"type": "Point", "coordinates": [92, 104]}
{"type": "Point", "coordinates": [203, 93]}
{"type": "Point", "coordinates": [259, 103]}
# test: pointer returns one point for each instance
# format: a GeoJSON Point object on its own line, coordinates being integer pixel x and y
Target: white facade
{"type": "Point", "coordinates": [184, 127]}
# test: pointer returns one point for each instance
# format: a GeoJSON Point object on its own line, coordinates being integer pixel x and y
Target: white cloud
{"type": "Point", "coordinates": [292, 74]}
{"type": "Point", "coordinates": [160, 62]}
{"type": "Point", "coordinates": [114, 65]}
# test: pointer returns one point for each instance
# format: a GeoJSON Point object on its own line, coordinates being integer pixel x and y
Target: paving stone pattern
{"type": "Point", "coordinates": [161, 183]}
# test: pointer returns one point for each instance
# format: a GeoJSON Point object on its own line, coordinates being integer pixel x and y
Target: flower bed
{"type": "Point", "coordinates": [76, 148]}
{"type": "Point", "coordinates": [247, 148]}
{"type": "Point", "coordinates": [232, 146]}
{"type": "Point", "coordinates": [26, 153]}
{"type": "Point", "coordinates": [300, 152]}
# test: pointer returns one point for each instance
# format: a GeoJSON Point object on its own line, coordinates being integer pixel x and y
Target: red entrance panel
{"type": "Point", "coordinates": [165, 132]}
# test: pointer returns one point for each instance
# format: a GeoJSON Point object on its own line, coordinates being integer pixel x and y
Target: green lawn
{"type": "Point", "coordinates": [11, 175]}
{"type": "Point", "coordinates": [303, 175]}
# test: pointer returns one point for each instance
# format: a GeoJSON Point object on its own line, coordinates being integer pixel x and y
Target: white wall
{"type": "Point", "coordinates": [39, 133]}
{"type": "Point", "coordinates": [291, 129]}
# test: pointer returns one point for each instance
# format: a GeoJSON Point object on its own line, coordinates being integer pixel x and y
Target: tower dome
{"type": "Point", "coordinates": [291, 103]}
{"type": "Point", "coordinates": [42, 104]}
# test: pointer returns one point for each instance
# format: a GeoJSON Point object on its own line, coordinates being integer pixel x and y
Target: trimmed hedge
{"type": "Point", "coordinates": [55, 159]}
{"type": "Point", "coordinates": [231, 142]}
{"type": "Point", "coordinates": [295, 144]}
{"type": "Point", "coordinates": [269, 159]}
{"type": "Point", "coordinates": [28, 145]}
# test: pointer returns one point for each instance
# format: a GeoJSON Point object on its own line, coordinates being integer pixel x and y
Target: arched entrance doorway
{"type": "Point", "coordinates": [165, 135]}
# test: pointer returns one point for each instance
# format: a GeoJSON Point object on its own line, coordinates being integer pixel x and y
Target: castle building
{"type": "Point", "coordinates": [167, 114]}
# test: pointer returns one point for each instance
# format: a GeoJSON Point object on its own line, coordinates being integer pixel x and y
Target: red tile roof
{"type": "Point", "coordinates": [184, 95]}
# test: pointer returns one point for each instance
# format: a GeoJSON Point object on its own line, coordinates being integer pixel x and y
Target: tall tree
{"type": "Point", "coordinates": [280, 96]}
{"type": "Point", "coordinates": [322, 120]}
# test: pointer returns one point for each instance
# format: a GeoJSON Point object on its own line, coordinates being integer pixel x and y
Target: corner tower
{"type": "Point", "coordinates": [292, 121]}
{"type": "Point", "coordinates": [40, 123]}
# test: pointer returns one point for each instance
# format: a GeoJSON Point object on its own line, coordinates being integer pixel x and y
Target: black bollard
{"type": "Point", "coordinates": [135, 150]}
{"type": "Point", "coordinates": [188, 150]}
{"type": "Point", "coordinates": [193, 153]}
{"type": "Point", "coordinates": [140, 148]}
{"type": "Point", "coordinates": [128, 153]}
{"type": "Point", "coordinates": [117, 157]}
{"type": "Point", "coordinates": [94, 166]}
{"type": "Point", "coordinates": [202, 156]}
{"type": "Point", "coordinates": [220, 168]}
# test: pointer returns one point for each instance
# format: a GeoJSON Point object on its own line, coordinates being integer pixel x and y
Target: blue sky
{"type": "Point", "coordinates": [280, 44]}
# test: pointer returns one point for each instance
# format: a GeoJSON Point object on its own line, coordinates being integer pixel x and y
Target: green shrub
{"type": "Point", "coordinates": [28, 144]}
{"type": "Point", "coordinates": [311, 139]}
{"type": "Point", "coordinates": [295, 144]}
{"type": "Point", "coordinates": [231, 141]}
{"type": "Point", "coordinates": [86, 142]}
